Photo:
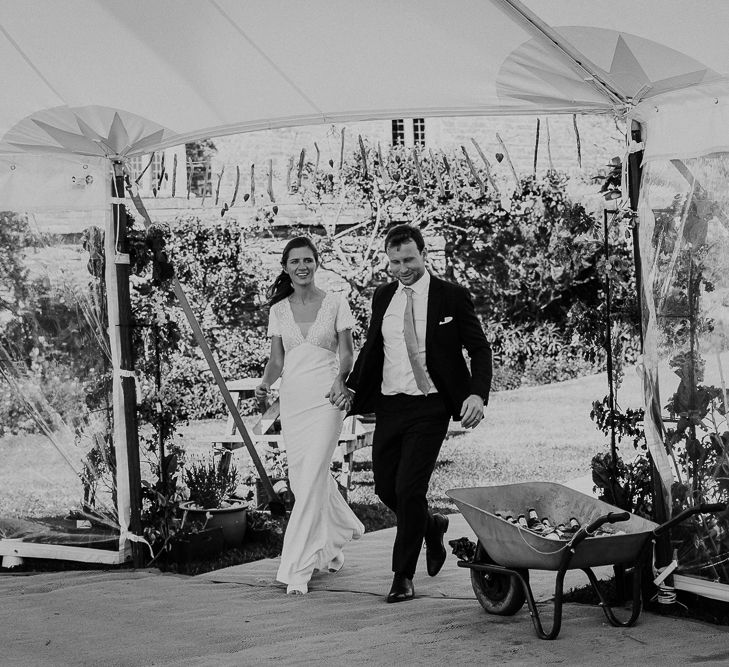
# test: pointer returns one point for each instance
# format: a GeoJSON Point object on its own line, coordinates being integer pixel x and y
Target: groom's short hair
{"type": "Point", "coordinates": [400, 234]}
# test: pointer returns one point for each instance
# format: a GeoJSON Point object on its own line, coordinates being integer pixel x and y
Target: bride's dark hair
{"type": "Point", "coordinates": [282, 286]}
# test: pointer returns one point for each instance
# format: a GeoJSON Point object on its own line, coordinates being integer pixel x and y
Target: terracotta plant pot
{"type": "Point", "coordinates": [231, 519]}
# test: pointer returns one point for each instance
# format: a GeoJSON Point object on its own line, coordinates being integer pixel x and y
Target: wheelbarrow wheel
{"type": "Point", "coordinates": [501, 594]}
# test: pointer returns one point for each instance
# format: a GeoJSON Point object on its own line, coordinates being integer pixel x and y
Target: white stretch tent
{"type": "Point", "coordinates": [86, 81]}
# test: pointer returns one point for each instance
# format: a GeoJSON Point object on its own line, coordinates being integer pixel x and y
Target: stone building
{"type": "Point", "coordinates": [600, 139]}
{"type": "Point", "coordinates": [169, 189]}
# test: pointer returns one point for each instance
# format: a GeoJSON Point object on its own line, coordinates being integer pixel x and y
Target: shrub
{"type": "Point", "coordinates": [240, 353]}
{"type": "Point", "coordinates": [208, 484]}
{"type": "Point", "coordinates": [533, 259]}
{"type": "Point", "coordinates": [533, 355]}
{"type": "Point", "coordinates": [629, 488]}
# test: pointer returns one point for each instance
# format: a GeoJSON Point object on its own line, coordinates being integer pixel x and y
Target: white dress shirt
{"type": "Point", "coordinates": [397, 373]}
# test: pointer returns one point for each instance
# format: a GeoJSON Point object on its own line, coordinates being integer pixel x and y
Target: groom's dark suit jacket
{"type": "Point", "coordinates": [452, 325]}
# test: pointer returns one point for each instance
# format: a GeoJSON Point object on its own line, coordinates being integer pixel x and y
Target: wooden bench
{"type": "Point", "coordinates": [355, 434]}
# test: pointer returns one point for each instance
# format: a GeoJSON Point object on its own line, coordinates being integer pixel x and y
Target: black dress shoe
{"type": "Point", "coordinates": [435, 552]}
{"type": "Point", "coordinates": [402, 589]}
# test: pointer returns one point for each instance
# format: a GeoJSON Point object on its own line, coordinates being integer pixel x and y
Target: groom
{"type": "Point", "coordinates": [411, 372]}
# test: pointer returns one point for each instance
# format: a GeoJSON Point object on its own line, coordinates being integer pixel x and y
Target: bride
{"type": "Point", "coordinates": [311, 349]}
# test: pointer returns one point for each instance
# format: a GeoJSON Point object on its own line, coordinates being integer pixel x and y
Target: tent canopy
{"type": "Point", "coordinates": [125, 77]}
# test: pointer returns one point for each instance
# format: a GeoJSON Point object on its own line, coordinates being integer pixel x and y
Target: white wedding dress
{"type": "Point", "coordinates": [321, 522]}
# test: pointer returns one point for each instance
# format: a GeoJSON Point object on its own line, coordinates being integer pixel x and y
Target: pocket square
{"type": "Point", "coordinates": [445, 320]}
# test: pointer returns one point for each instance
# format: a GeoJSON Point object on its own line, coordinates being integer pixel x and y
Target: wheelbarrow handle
{"type": "Point", "coordinates": [712, 508]}
{"type": "Point", "coordinates": [706, 508]}
{"type": "Point", "coordinates": [610, 517]}
{"type": "Point", "coordinates": [587, 531]}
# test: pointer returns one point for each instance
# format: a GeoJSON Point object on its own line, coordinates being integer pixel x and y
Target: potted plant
{"type": "Point", "coordinates": [210, 487]}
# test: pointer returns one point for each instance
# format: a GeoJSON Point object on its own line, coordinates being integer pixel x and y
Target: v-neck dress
{"type": "Point", "coordinates": [321, 522]}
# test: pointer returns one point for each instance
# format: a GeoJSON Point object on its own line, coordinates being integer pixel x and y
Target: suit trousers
{"type": "Point", "coordinates": [409, 433]}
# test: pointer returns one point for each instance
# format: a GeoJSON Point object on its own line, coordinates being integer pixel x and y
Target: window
{"type": "Point", "coordinates": [136, 164]}
{"type": "Point", "coordinates": [418, 131]}
{"type": "Point", "coordinates": [398, 132]}
{"type": "Point", "coordinates": [405, 134]}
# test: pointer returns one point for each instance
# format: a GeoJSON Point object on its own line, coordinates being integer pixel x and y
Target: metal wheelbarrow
{"type": "Point", "coordinates": [505, 552]}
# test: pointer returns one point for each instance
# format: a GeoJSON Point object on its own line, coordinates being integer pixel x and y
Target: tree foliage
{"type": "Point", "coordinates": [15, 238]}
{"type": "Point", "coordinates": [531, 258]}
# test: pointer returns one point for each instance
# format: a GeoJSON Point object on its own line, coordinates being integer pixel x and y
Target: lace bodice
{"type": "Point", "coordinates": [334, 315]}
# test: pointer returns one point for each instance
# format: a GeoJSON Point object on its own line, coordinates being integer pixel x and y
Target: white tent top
{"type": "Point", "coordinates": [116, 78]}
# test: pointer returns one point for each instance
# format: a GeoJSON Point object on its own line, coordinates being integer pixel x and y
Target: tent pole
{"type": "Point", "coordinates": [577, 60]}
{"type": "Point", "coordinates": [664, 553]}
{"type": "Point", "coordinates": [126, 437]}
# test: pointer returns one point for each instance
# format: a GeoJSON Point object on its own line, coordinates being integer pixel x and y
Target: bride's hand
{"type": "Point", "coordinates": [262, 392]}
{"type": "Point", "coordinates": [345, 403]}
{"type": "Point", "coordinates": [339, 395]}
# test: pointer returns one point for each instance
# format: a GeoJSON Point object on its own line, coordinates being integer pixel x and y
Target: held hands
{"type": "Point", "coordinates": [472, 411]}
{"type": "Point", "coordinates": [262, 393]}
{"type": "Point", "coordinates": [340, 396]}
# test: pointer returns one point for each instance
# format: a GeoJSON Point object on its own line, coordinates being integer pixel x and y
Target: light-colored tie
{"type": "Point", "coordinates": [411, 343]}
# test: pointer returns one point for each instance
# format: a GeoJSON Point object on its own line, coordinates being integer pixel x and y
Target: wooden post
{"type": "Point", "coordinates": [577, 139]}
{"type": "Point", "coordinates": [384, 173]}
{"type": "Point", "coordinates": [270, 181]}
{"type": "Point", "coordinates": [300, 172]}
{"type": "Point", "coordinates": [419, 171]}
{"type": "Point", "coordinates": [289, 169]}
{"type": "Point", "coordinates": [436, 171]}
{"type": "Point", "coordinates": [190, 167]}
{"type": "Point", "coordinates": [217, 187]}
{"type": "Point", "coordinates": [237, 185]}
{"type": "Point", "coordinates": [549, 144]}
{"type": "Point", "coordinates": [474, 173]}
{"type": "Point", "coordinates": [253, 184]}
{"type": "Point", "coordinates": [341, 154]}
{"type": "Point", "coordinates": [517, 181]}
{"type": "Point", "coordinates": [452, 179]}
{"type": "Point", "coordinates": [363, 152]}
{"type": "Point", "coordinates": [487, 166]}
{"type": "Point", "coordinates": [126, 437]}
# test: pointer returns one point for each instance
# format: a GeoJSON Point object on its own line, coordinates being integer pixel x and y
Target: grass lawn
{"type": "Point", "coordinates": [34, 478]}
{"type": "Point", "coordinates": [535, 433]}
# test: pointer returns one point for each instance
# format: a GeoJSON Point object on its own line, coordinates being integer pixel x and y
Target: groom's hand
{"type": "Point", "coordinates": [339, 395]}
{"type": "Point", "coordinates": [472, 411]}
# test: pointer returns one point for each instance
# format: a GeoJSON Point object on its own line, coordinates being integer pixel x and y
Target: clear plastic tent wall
{"type": "Point", "coordinates": [58, 482]}
{"type": "Point", "coordinates": [684, 239]}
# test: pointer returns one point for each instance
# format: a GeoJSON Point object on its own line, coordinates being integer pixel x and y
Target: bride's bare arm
{"type": "Point", "coordinates": [339, 394]}
{"type": "Point", "coordinates": [346, 353]}
{"type": "Point", "coordinates": [273, 369]}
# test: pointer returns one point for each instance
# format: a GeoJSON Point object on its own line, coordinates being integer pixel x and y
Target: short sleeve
{"type": "Point", "coordinates": [274, 328]}
{"type": "Point", "coordinates": [345, 319]}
